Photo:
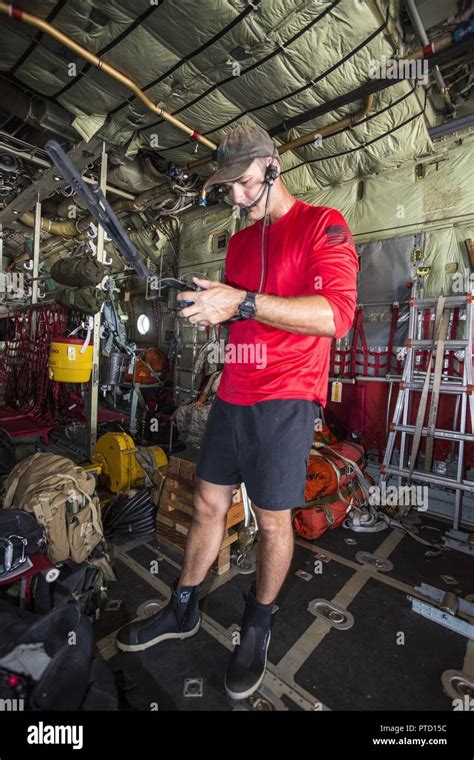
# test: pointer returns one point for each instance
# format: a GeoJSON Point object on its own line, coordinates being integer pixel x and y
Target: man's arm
{"type": "Point", "coordinates": [307, 315]}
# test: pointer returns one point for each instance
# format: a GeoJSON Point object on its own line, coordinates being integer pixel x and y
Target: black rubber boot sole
{"type": "Point", "coordinates": [158, 639]}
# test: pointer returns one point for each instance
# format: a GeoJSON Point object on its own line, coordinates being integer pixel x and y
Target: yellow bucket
{"type": "Point", "coordinates": [66, 363]}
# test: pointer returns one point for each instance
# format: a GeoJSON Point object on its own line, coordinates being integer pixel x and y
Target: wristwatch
{"type": "Point", "coordinates": [248, 307]}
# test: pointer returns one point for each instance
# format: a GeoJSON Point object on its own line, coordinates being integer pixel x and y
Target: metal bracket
{"type": "Point", "coordinates": [333, 613]}
{"type": "Point", "coordinates": [321, 556]}
{"type": "Point", "coordinates": [462, 542]}
{"type": "Point", "coordinates": [438, 611]}
{"type": "Point", "coordinates": [449, 580]}
{"type": "Point", "coordinates": [193, 687]}
{"type": "Point", "coordinates": [375, 561]}
{"type": "Point", "coordinates": [260, 704]}
{"type": "Point", "coordinates": [304, 575]}
{"type": "Point", "coordinates": [264, 700]}
{"type": "Point", "coordinates": [149, 608]}
{"type": "Point", "coordinates": [423, 271]}
{"type": "Point", "coordinates": [457, 684]}
{"type": "Point", "coordinates": [451, 267]}
{"type": "Point", "coordinates": [113, 605]}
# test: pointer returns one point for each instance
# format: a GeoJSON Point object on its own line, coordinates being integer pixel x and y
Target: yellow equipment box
{"type": "Point", "coordinates": [66, 362]}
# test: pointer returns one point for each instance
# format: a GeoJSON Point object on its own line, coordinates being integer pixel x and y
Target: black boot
{"type": "Point", "coordinates": [178, 620]}
{"type": "Point", "coordinates": [249, 658]}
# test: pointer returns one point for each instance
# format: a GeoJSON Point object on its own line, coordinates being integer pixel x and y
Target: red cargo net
{"type": "Point", "coordinates": [29, 335]}
{"type": "Point", "coordinates": [360, 359]}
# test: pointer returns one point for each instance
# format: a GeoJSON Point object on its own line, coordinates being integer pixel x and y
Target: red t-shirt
{"type": "Point", "coordinates": [308, 251]}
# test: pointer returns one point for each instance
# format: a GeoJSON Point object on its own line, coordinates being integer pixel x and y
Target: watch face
{"type": "Point", "coordinates": [247, 309]}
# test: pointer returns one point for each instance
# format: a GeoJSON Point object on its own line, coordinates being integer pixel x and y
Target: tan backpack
{"type": "Point", "coordinates": [60, 495]}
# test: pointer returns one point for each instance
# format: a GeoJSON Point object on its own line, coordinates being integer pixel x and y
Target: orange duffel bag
{"type": "Point", "coordinates": [329, 470]}
{"type": "Point", "coordinates": [335, 484]}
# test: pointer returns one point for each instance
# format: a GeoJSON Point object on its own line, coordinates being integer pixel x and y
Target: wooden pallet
{"type": "Point", "coordinates": [183, 470]}
{"type": "Point", "coordinates": [175, 510]}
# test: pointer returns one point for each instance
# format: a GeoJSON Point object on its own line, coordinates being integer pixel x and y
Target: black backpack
{"type": "Point", "coordinates": [20, 535]}
{"type": "Point", "coordinates": [81, 583]}
{"type": "Point", "coordinates": [61, 671]}
{"type": "Point", "coordinates": [7, 453]}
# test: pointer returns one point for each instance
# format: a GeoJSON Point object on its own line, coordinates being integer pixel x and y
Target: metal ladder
{"type": "Point", "coordinates": [414, 379]}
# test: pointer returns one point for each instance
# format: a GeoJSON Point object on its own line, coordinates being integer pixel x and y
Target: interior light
{"type": "Point", "coordinates": [143, 324]}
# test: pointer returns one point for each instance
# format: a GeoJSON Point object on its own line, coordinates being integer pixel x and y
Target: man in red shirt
{"type": "Point", "coordinates": [290, 288]}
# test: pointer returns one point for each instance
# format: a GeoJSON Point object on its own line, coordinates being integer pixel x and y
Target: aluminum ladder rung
{"type": "Point", "coordinates": [451, 302]}
{"type": "Point", "coordinates": [428, 477]}
{"type": "Point", "coordinates": [427, 343]}
{"type": "Point", "coordinates": [444, 388]}
{"type": "Point", "coordinates": [449, 435]}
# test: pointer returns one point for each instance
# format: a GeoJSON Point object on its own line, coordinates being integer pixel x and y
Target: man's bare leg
{"type": "Point", "coordinates": [211, 504]}
{"type": "Point", "coordinates": [274, 551]}
{"type": "Point", "coordinates": [180, 618]}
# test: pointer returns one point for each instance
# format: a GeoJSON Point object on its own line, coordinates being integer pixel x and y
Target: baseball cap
{"type": "Point", "coordinates": [237, 151]}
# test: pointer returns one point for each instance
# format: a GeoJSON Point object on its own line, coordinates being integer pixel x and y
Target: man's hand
{"type": "Point", "coordinates": [306, 315]}
{"type": "Point", "coordinates": [213, 304]}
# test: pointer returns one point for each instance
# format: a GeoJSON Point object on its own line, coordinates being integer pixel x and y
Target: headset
{"type": "Point", "coordinates": [271, 174]}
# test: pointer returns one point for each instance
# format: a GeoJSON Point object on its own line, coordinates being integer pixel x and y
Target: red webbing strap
{"type": "Point", "coordinates": [340, 358]}
{"type": "Point", "coordinates": [359, 333]}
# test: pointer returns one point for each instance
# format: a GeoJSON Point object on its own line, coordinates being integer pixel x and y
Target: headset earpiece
{"type": "Point", "coordinates": [271, 173]}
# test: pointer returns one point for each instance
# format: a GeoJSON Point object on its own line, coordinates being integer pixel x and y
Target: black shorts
{"type": "Point", "coordinates": [264, 445]}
